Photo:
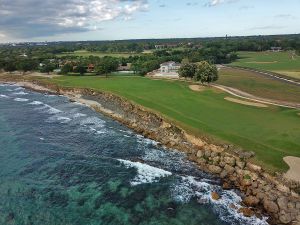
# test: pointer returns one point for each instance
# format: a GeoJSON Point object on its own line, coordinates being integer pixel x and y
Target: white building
{"type": "Point", "coordinates": [169, 68]}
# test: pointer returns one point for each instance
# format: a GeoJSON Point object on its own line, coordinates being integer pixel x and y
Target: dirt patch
{"type": "Point", "coordinates": [255, 62]}
{"type": "Point", "coordinates": [256, 104]}
{"type": "Point", "coordinates": [294, 171]}
{"type": "Point", "coordinates": [197, 88]}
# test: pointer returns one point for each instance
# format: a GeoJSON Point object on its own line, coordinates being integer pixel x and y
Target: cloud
{"type": "Point", "coordinates": [213, 3]}
{"type": "Point", "coordinates": [269, 27]}
{"type": "Point", "coordinates": [285, 16]}
{"type": "Point", "coordinates": [38, 18]}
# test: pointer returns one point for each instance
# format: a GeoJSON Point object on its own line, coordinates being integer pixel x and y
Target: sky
{"type": "Point", "coordinates": [74, 20]}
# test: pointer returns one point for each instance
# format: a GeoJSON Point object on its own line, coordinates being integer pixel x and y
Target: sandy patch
{"type": "Point", "coordinates": [256, 104]}
{"type": "Point", "coordinates": [197, 88]}
{"type": "Point", "coordinates": [255, 62]}
{"type": "Point", "coordinates": [294, 171]}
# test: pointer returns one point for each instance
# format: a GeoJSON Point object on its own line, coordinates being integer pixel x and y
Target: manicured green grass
{"type": "Point", "coordinates": [99, 54]}
{"type": "Point", "coordinates": [287, 63]}
{"type": "Point", "coordinates": [271, 132]}
{"type": "Point", "coordinates": [261, 86]}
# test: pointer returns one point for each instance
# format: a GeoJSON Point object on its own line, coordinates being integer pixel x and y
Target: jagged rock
{"type": "Point", "coordinates": [207, 153]}
{"type": "Point", "coordinates": [223, 174]}
{"type": "Point", "coordinates": [251, 201]}
{"type": "Point", "coordinates": [282, 202]}
{"type": "Point", "coordinates": [245, 182]}
{"type": "Point", "coordinates": [284, 217]}
{"type": "Point", "coordinates": [254, 168]}
{"type": "Point", "coordinates": [216, 160]}
{"type": "Point", "coordinates": [270, 206]}
{"type": "Point", "coordinates": [247, 212]}
{"type": "Point", "coordinates": [229, 169]}
{"type": "Point", "coordinates": [214, 154]}
{"type": "Point", "coordinates": [232, 206]}
{"type": "Point", "coordinates": [226, 186]}
{"type": "Point", "coordinates": [229, 160]}
{"type": "Point", "coordinates": [215, 196]}
{"type": "Point", "coordinates": [283, 188]}
{"type": "Point", "coordinates": [215, 169]}
{"type": "Point", "coordinates": [200, 154]}
{"type": "Point", "coordinates": [240, 164]}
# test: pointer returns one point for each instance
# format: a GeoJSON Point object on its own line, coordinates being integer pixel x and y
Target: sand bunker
{"type": "Point", "coordinates": [243, 102]}
{"type": "Point", "coordinates": [294, 171]}
{"type": "Point", "coordinates": [197, 88]}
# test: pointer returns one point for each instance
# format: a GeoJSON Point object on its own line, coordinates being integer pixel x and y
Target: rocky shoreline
{"type": "Point", "coordinates": [263, 194]}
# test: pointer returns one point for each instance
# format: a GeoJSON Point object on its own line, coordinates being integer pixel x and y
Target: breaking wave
{"type": "Point", "coordinates": [21, 99]}
{"type": "Point", "coordinates": [226, 207]}
{"type": "Point", "coordinates": [145, 173]}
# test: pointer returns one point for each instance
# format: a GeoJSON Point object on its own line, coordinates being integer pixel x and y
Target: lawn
{"type": "Point", "coordinates": [271, 132]}
{"type": "Point", "coordinates": [286, 63]}
{"type": "Point", "coordinates": [258, 85]}
{"type": "Point", "coordinates": [84, 53]}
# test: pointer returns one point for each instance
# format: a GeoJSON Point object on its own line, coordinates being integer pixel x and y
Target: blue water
{"type": "Point", "coordinates": [63, 164]}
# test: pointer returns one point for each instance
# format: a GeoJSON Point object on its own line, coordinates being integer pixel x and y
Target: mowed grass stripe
{"type": "Point", "coordinates": [271, 132]}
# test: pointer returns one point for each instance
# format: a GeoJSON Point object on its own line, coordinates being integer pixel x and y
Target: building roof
{"type": "Point", "coordinates": [170, 63]}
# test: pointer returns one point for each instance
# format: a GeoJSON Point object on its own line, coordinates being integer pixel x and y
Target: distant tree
{"type": "Point", "coordinates": [26, 65]}
{"type": "Point", "coordinates": [80, 69]}
{"type": "Point", "coordinates": [47, 68]}
{"type": "Point", "coordinates": [106, 66]}
{"type": "Point", "coordinates": [9, 66]}
{"type": "Point", "coordinates": [67, 68]}
{"type": "Point", "coordinates": [187, 70]}
{"type": "Point", "coordinates": [206, 72]}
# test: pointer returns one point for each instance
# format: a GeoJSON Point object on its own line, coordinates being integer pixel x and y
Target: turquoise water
{"type": "Point", "coordinates": [63, 164]}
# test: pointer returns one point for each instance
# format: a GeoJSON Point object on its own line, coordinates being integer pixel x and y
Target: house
{"type": "Point", "coordinates": [91, 68]}
{"type": "Point", "coordinates": [276, 49]}
{"type": "Point", "coordinates": [124, 67]}
{"type": "Point", "coordinates": [163, 46]}
{"type": "Point", "coordinates": [169, 68]}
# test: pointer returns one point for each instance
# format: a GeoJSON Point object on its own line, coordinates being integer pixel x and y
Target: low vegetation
{"type": "Point", "coordinates": [286, 63]}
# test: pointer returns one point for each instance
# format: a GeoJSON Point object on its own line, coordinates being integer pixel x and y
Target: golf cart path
{"type": "Point", "coordinates": [269, 74]}
{"type": "Point", "coordinates": [241, 94]}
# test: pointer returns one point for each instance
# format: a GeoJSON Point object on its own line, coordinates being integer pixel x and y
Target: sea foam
{"type": "Point", "coordinates": [21, 99]}
{"type": "Point", "coordinates": [4, 96]}
{"type": "Point", "coordinates": [226, 207]}
{"type": "Point", "coordinates": [145, 173]}
{"type": "Point", "coordinates": [20, 93]}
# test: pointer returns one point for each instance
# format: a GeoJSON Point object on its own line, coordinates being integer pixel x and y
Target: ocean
{"type": "Point", "coordinates": [61, 163]}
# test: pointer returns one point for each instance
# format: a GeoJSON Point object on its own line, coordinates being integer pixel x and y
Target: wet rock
{"type": "Point", "coordinates": [270, 206]}
{"type": "Point", "coordinates": [215, 196]}
{"type": "Point", "coordinates": [247, 212]}
{"type": "Point", "coordinates": [251, 201]}
{"type": "Point", "coordinates": [226, 186]}
{"type": "Point", "coordinates": [223, 174]}
{"type": "Point", "coordinates": [215, 169]}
